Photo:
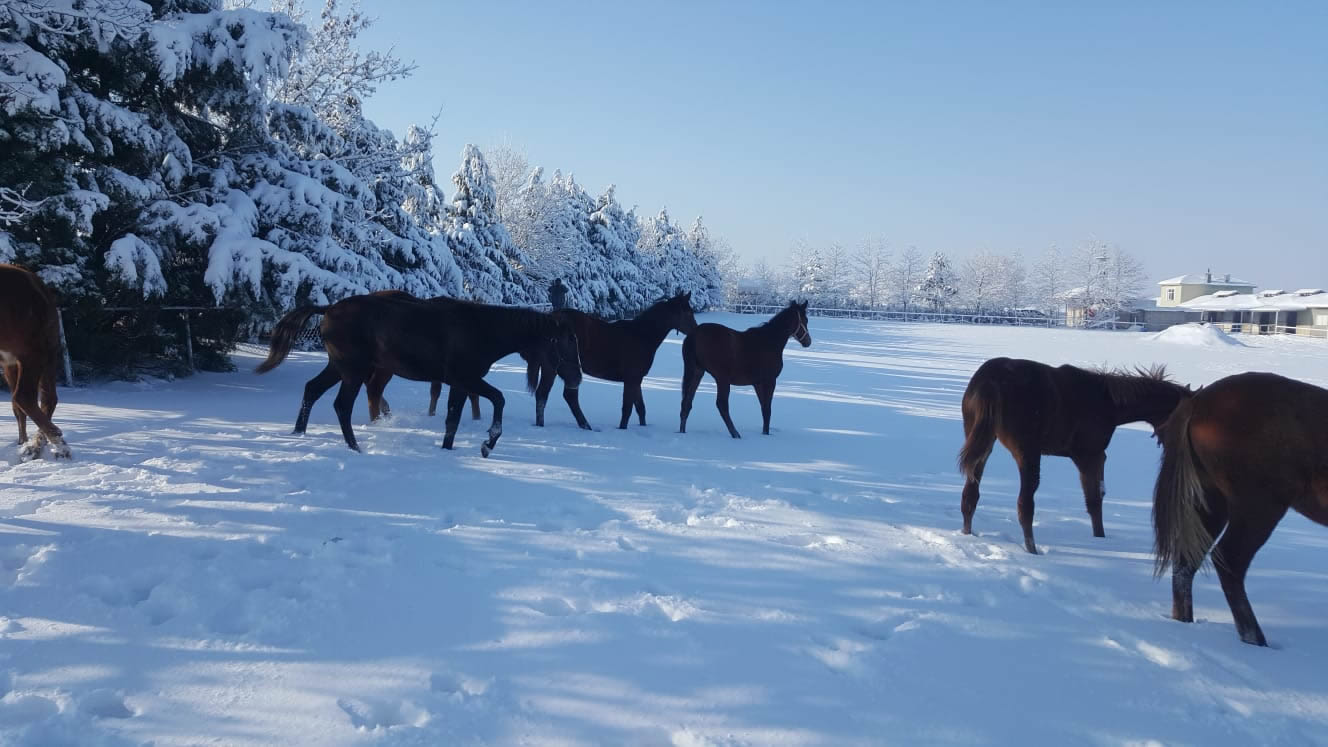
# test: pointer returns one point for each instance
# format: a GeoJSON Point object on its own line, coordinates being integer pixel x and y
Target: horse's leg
{"type": "Point", "coordinates": [11, 381]}
{"type": "Point", "coordinates": [1249, 527]}
{"type": "Point", "coordinates": [1090, 477]}
{"type": "Point", "coordinates": [765, 393]}
{"type": "Point", "coordinates": [1029, 461]}
{"type": "Point", "coordinates": [968, 503]}
{"type": "Point", "coordinates": [26, 395]}
{"type": "Point", "coordinates": [542, 389]}
{"type": "Point", "coordinates": [456, 399]}
{"type": "Point", "coordinates": [691, 379]}
{"type": "Point", "coordinates": [49, 399]}
{"type": "Point", "coordinates": [374, 389]}
{"type": "Point", "coordinates": [640, 404]}
{"type": "Point", "coordinates": [313, 389]}
{"type": "Point", "coordinates": [491, 393]}
{"type": "Point", "coordinates": [722, 402]}
{"type": "Point", "coordinates": [474, 406]}
{"type": "Point", "coordinates": [344, 404]}
{"type": "Point", "coordinates": [1214, 515]}
{"type": "Point", "coordinates": [435, 391]}
{"type": "Point", "coordinates": [631, 390]}
{"type": "Point", "coordinates": [573, 399]}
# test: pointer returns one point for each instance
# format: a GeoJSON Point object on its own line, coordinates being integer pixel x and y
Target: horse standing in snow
{"type": "Point", "coordinates": [1034, 409]}
{"type": "Point", "coordinates": [618, 351]}
{"type": "Point", "coordinates": [454, 343]}
{"type": "Point", "coordinates": [753, 357]}
{"type": "Point", "coordinates": [540, 355]}
{"type": "Point", "coordinates": [1237, 455]}
{"type": "Point", "coordinates": [29, 347]}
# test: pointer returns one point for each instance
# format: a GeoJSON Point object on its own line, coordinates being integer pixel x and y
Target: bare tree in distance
{"type": "Point", "coordinates": [904, 275]}
{"type": "Point", "coordinates": [1048, 282]}
{"type": "Point", "coordinates": [871, 267]}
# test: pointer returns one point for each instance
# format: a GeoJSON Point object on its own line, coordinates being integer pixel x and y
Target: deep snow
{"type": "Point", "coordinates": [198, 574]}
{"type": "Point", "coordinates": [1195, 333]}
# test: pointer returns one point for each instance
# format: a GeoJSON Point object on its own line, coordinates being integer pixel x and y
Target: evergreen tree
{"type": "Point", "coordinates": [939, 284]}
{"type": "Point", "coordinates": [491, 265]}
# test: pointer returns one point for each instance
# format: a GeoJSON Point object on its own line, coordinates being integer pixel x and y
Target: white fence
{"type": "Point", "coordinates": [1022, 320]}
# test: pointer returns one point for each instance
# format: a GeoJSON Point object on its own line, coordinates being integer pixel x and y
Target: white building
{"type": "Point", "coordinates": [1302, 312]}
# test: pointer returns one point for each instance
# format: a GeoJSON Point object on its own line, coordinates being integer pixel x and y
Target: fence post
{"type": "Point", "coordinates": [189, 343]}
{"type": "Point", "coordinates": [64, 348]}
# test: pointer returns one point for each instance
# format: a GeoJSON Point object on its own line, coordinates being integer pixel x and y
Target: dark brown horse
{"type": "Point", "coordinates": [540, 355]}
{"type": "Point", "coordinates": [455, 343]}
{"type": "Point", "coordinates": [29, 349]}
{"type": "Point", "coordinates": [753, 357]}
{"type": "Point", "coordinates": [618, 351]}
{"type": "Point", "coordinates": [1035, 409]}
{"type": "Point", "coordinates": [1236, 456]}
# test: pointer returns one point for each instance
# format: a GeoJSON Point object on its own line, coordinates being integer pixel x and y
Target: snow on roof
{"type": "Point", "coordinates": [1204, 278]}
{"type": "Point", "coordinates": [1268, 293]}
{"type": "Point", "coordinates": [1309, 291]}
{"type": "Point", "coordinates": [1228, 301]}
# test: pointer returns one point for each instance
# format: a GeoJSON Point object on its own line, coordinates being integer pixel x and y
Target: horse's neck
{"type": "Point", "coordinates": [651, 328]}
{"type": "Point", "coordinates": [768, 337]}
{"type": "Point", "coordinates": [1141, 401]}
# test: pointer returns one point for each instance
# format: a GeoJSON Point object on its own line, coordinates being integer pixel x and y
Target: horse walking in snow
{"type": "Point", "coordinates": [753, 357]}
{"type": "Point", "coordinates": [455, 343]}
{"type": "Point", "coordinates": [1035, 409]}
{"type": "Point", "coordinates": [1236, 456]}
{"type": "Point", "coordinates": [29, 348]}
{"type": "Point", "coordinates": [618, 351]}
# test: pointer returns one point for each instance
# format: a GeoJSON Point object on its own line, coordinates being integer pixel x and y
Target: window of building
{"type": "Point", "coordinates": [1321, 318]}
{"type": "Point", "coordinates": [1171, 294]}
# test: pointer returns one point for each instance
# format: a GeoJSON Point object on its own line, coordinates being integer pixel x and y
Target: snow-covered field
{"type": "Point", "coordinates": [199, 575]}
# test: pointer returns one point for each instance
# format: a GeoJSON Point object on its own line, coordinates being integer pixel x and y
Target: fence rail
{"type": "Point", "coordinates": [1029, 320]}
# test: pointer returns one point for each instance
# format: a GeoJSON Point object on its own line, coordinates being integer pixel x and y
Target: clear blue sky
{"type": "Point", "coordinates": [1193, 134]}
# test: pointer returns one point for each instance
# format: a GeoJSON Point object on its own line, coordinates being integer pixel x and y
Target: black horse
{"type": "Point", "coordinates": [617, 351]}
{"type": "Point", "coordinates": [1035, 409]}
{"type": "Point", "coordinates": [455, 343]}
{"type": "Point", "coordinates": [753, 357]}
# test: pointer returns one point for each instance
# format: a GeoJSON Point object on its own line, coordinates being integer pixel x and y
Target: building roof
{"type": "Point", "coordinates": [1309, 298]}
{"type": "Point", "coordinates": [1205, 278]}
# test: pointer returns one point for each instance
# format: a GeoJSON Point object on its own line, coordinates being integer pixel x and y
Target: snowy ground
{"type": "Point", "coordinates": [197, 574]}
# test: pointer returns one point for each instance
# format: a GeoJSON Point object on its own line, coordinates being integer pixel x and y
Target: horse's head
{"type": "Point", "coordinates": [799, 331]}
{"type": "Point", "coordinates": [681, 316]}
{"type": "Point", "coordinates": [564, 352]}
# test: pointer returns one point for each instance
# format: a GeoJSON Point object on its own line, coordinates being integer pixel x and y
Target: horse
{"type": "Point", "coordinates": [618, 351]}
{"type": "Point", "coordinates": [29, 347]}
{"type": "Point", "coordinates": [753, 357]}
{"type": "Point", "coordinates": [1035, 410]}
{"type": "Point", "coordinates": [455, 343]}
{"type": "Point", "coordinates": [1237, 455]}
{"type": "Point", "coordinates": [537, 358]}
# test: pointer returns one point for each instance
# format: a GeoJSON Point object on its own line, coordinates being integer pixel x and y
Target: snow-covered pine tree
{"type": "Point", "coordinates": [938, 285]}
{"type": "Point", "coordinates": [709, 293]}
{"type": "Point", "coordinates": [614, 235]}
{"type": "Point", "coordinates": [491, 265]}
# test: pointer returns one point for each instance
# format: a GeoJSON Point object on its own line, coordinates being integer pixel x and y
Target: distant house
{"type": "Point", "coordinates": [1303, 311]}
{"type": "Point", "coordinates": [1176, 291]}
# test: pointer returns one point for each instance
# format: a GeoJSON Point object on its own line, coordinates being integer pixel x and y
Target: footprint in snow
{"type": "Point", "coordinates": [552, 606]}
{"type": "Point", "coordinates": [373, 713]}
{"type": "Point", "coordinates": [106, 704]}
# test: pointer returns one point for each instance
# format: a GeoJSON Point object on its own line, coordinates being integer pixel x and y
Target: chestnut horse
{"type": "Point", "coordinates": [1034, 409]}
{"type": "Point", "coordinates": [29, 349]}
{"type": "Point", "coordinates": [1237, 455]}
{"type": "Point", "coordinates": [753, 357]}
{"type": "Point", "coordinates": [618, 351]}
{"type": "Point", "coordinates": [455, 343]}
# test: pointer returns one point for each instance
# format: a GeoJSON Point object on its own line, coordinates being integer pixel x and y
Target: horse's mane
{"type": "Point", "coordinates": [1126, 385]}
{"type": "Point", "coordinates": [769, 328]}
{"type": "Point", "coordinates": [517, 318]}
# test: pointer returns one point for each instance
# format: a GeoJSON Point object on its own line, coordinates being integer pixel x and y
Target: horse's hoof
{"type": "Point", "coordinates": [61, 452]}
{"type": "Point", "coordinates": [1031, 548]}
{"type": "Point", "coordinates": [585, 427]}
{"type": "Point", "coordinates": [485, 450]}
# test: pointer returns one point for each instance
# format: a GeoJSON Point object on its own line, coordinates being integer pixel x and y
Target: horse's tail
{"type": "Point", "coordinates": [1179, 535]}
{"type": "Point", "coordinates": [981, 421]}
{"type": "Point", "coordinates": [283, 337]}
{"type": "Point", "coordinates": [532, 373]}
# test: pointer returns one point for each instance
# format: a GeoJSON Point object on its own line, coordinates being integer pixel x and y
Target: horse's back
{"type": "Point", "coordinates": [1259, 434]}
{"type": "Point", "coordinates": [28, 317]}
